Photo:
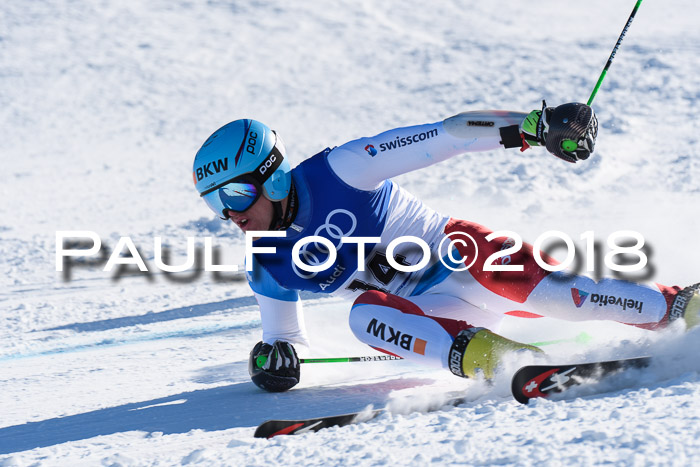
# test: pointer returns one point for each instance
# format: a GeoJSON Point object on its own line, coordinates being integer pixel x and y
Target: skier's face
{"type": "Point", "coordinates": [257, 217]}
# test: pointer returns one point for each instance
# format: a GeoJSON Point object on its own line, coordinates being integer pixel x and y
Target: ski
{"type": "Point", "coordinates": [273, 428]}
{"type": "Point", "coordinates": [528, 383]}
{"type": "Point", "coordinates": [534, 381]}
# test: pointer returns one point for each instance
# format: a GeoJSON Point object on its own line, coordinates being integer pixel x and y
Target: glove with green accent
{"type": "Point", "coordinates": [275, 367]}
{"type": "Point", "coordinates": [534, 128]}
{"type": "Point", "coordinates": [567, 131]}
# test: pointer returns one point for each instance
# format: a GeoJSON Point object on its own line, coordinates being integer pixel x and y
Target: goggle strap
{"type": "Point", "coordinates": [268, 166]}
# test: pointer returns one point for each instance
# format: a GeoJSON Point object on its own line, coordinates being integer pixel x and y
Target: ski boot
{"type": "Point", "coordinates": [479, 351]}
{"type": "Point", "coordinates": [686, 305]}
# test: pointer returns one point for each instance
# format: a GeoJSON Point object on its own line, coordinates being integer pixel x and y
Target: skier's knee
{"type": "Point", "coordinates": [359, 316]}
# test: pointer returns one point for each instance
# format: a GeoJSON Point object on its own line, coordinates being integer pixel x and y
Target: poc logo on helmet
{"type": "Point", "coordinates": [252, 141]}
{"type": "Point", "coordinates": [267, 164]}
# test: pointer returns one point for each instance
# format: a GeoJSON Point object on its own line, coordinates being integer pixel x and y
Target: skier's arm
{"type": "Point", "coordinates": [568, 131]}
{"type": "Point", "coordinates": [366, 162]}
{"type": "Point", "coordinates": [282, 320]}
{"type": "Point", "coordinates": [273, 363]}
{"type": "Point", "coordinates": [280, 309]}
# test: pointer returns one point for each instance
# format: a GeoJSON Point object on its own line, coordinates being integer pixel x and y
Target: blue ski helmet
{"type": "Point", "coordinates": [240, 162]}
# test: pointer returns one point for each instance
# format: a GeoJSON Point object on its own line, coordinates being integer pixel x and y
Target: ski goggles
{"type": "Point", "coordinates": [240, 193]}
{"type": "Point", "coordinates": [236, 195]}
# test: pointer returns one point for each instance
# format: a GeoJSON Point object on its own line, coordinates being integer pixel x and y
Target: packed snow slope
{"type": "Point", "coordinates": [102, 108]}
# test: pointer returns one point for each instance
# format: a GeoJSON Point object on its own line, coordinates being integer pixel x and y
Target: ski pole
{"type": "Point", "coordinates": [261, 359]}
{"type": "Point", "coordinates": [368, 358]}
{"type": "Point", "coordinates": [582, 338]}
{"type": "Point", "coordinates": [612, 55]}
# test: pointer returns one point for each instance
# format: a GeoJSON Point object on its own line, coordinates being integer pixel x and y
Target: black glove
{"type": "Point", "coordinates": [567, 131]}
{"type": "Point", "coordinates": [274, 368]}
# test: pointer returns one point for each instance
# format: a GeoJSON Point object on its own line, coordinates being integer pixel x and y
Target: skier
{"type": "Point", "coordinates": [440, 314]}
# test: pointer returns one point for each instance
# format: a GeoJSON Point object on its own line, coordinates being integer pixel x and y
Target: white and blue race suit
{"type": "Point", "coordinates": [348, 192]}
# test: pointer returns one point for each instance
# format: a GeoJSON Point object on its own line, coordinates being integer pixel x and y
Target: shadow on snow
{"type": "Point", "coordinates": [167, 315]}
{"type": "Point", "coordinates": [220, 408]}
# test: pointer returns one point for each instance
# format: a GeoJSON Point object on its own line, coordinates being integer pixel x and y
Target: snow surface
{"type": "Point", "coordinates": [102, 107]}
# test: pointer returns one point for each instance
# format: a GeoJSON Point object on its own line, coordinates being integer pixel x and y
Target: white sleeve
{"type": "Point", "coordinates": [366, 162]}
{"type": "Point", "coordinates": [282, 320]}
